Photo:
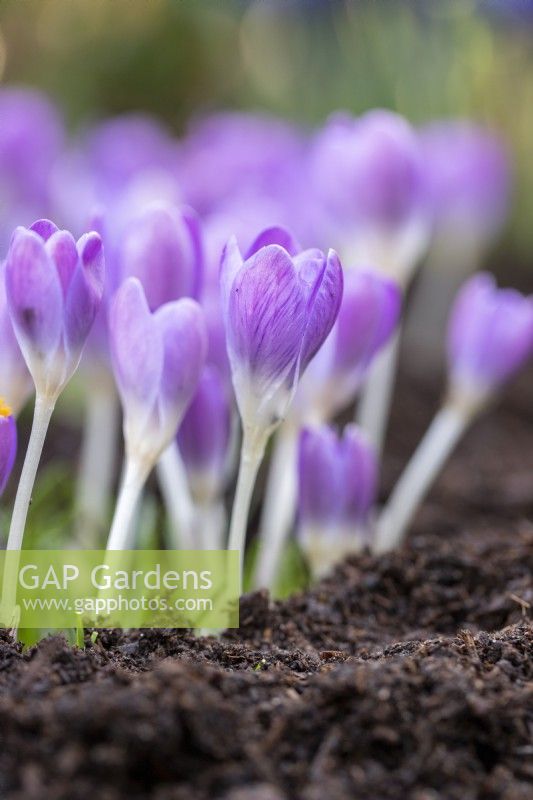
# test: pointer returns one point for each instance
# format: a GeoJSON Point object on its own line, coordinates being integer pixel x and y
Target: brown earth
{"type": "Point", "coordinates": [408, 677]}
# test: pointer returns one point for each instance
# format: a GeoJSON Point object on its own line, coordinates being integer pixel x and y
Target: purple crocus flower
{"type": "Point", "coordinates": [368, 174]}
{"type": "Point", "coordinates": [54, 286]}
{"type": "Point", "coordinates": [230, 155]}
{"type": "Point", "coordinates": [468, 178]}
{"type": "Point", "coordinates": [490, 336]}
{"type": "Point", "coordinates": [337, 487]}
{"type": "Point", "coordinates": [368, 315]}
{"type": "Point", "coordinates": [163, 248]}
{"type": "Point", "coordinates": [8, 444]}
{"type": "Point", "coordinates": [31, 137]}
{"type": "Point", "coordinates": [278, 311]}
{"type": "Point", "coordinates": [15, 381]}
{"type": "Point", "coordinates": [157, 360]}
{"type": "Point", "coordinates": [204, 436]}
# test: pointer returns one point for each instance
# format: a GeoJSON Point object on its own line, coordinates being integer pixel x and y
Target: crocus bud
{"type": "Point", "coordinates": [468, 177]}
{"type": "Point", "coordinates": [162, 248]}
{"type": "Point", "coordinates": [278, 311]}
{"type": "Point", "coordinates": [204, 437]}
{"type": "Point", "coordinates": [157, 360]}
{"type": "Point", "coordinates": [8, 444]}
{"type": "Point", "coordinates": [15, 381]}
{"type": "Point", "coordinates": [490, 336]}
{"type": "Point", "coordinates": [54, 286]}
{"type": "Point", "coordinates": [337, 486]}
{"type": "Point", "coordinates": [368, 315]}
{"type": "Point", "coordinates": [369, 177]}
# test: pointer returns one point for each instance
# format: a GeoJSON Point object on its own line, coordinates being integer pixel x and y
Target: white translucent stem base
{"type": "Point", "coordinates": [122, 529]}
{"type": "Point", "coordinates": [174, 486]}
{"type": "Point", "coordinates": [210, 521]}
{"type": "Point", "coordinates": [98, 460]}
{"type": "Point", "coordinates": [439, 441]}
{"type": "Point", "coordinates": [252, 452]}
{"type": "Point", "coordinates": [279, 505]}
{"type": "Point", "coordinates": [376, 397]}
{"type": "Point", "coordinates": [325, 547]}
{"type": "Point", "coordinates": [44, 408]}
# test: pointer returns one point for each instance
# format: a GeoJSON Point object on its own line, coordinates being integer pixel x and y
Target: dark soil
{"type": "Point", "coordinates": [408, 677]}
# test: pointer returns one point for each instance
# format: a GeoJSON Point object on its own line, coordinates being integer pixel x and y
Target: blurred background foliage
{"type": "Point", "coordinates": [298, 58]}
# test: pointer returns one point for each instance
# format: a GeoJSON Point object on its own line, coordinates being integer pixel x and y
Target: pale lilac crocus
{"type": "Point", "coordinates": [368, 175]}
{"type": "Point", "coordinates": [162, 247]}
{"type": "Point", "coordinates": [157, 361]}
{"type": "Point", "coordinates": [490, 337]}
{"type": "Point", "coordinates": [278, 311]}
{"type": "Point", "coordinates": [337, 480]}
{"type": "Point", "coordinates": [54, 286]}
{"type": "Point", "coordinates": [8, 444]}
{"type": "Point", "coordinates": [204, 440]}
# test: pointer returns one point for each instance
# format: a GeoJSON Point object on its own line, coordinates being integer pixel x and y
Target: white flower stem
{"type": "Point", "coordinates": [252, 452]}
{"type": "Point", "coordinates": [210, 524]}
{"type": "Point", "coordinates": [376, 396]}
{"type": "Point", "coordinates": [44, 408]}
{"type": "Point", "coordinates": [97, 464]}
{"type": "Point", "coordinates": [439, 441]}
{"type": "Point", "coordinates": [174, 485]}
{"type": "Point", "coordinates": [122, 528]}
{"type": "Point", "coordinates": [279, 504]}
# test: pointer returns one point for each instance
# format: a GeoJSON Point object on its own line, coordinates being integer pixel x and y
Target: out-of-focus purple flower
{"type": "Point", "coordinates": [157, 360]}
{"type": "Point", "coordinates": [368, 174]}
{"type": "Point", "coordinates": [54, 286]}
{"type": "Point", "coordinates": [31, 137]}
{"type": "Point", "coordinates": [278, 310]}
{"type": "Point", "coordinates": [15, 381]}
{"type": "Point", "coordinates": [337, 479]}
{"type": "Point", "coordinates": [163, 248]}
{"type": "Point", "coordinates": [490, 336]}
{"type": "Point", "coordinates": [230, 155]}
{"type": "Point", "coordinates": [204, 436]}
{"type": "Point", "coordinates": [8, 444]}
{"type": "Point", "coordinates": [468, 177]}
{"type": "Point", "coordinates": [368, 315]}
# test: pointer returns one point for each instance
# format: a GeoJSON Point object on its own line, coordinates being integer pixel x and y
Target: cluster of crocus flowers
{"type": "Point", "coordinates": [211, 312]}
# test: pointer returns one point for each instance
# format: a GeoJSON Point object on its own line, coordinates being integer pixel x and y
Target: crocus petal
{"type": "Point", "coordinates": [268, 315]}
{"type": "Point", "coordinates": [204, 434]}
{"type": "Point", "coordinates": [230, 264]}
{"type": "Point", "coordinates": [275, 235]}
{"type": "Point", "coordinates": [368, 315]}
{"type": "Point", "coordinates": [8, 445]}
{"type": "Point", "coordinates": [61, 248]}
{"type": "Point", "coordinates": [85, 293]}
{"type": "Point", "coordinates": [45, 228]}
{"type": "Point", "coordinates": [360, 475]}
{"type": "Point", "coordinates": [34, 296]}
{"type": "Point", "coordinates": [325, 281]}
{"type": "Point", "coordinates": [136, 347]}
{"type": "Point", "coordinates": [192, 221]}
{"type": "Point", "coordinates": [183, 332]}
{"type": "Point", "coordinates": [15, 380]}
{"type": "Point", "coordinates": [321, 490]}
